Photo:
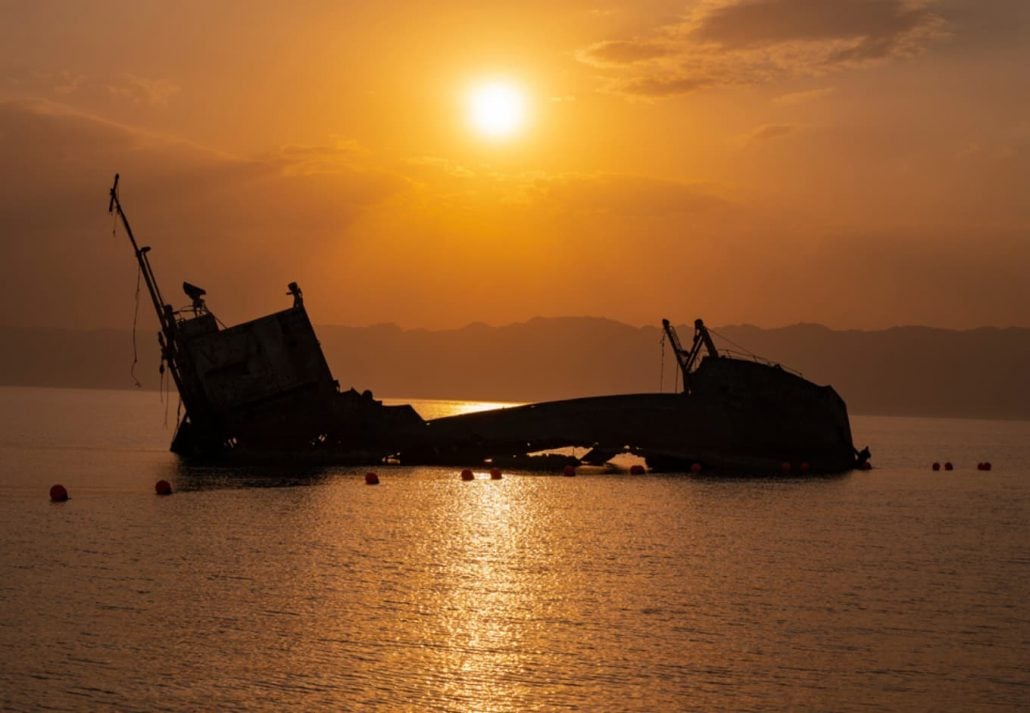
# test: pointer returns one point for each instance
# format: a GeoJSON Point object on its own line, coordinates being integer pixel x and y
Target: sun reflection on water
{"type": "Point", "coordinates": [439, 408]}
{"type": "Point", "coordinates": [483, 623]}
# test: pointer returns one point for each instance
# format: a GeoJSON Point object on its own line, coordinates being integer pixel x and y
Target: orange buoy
{"type": "Point", "coordinates": [371, 479]}
{"type": "Point", "coordinates": [784, 468]}
{"type": "Point", "coordinates": [163, 487]}
{"type": "Point", "coordinates": [569, 471]}
{"type": "Point", "coordinates": [636, 469]}
{"type": "Point", "coordinates": [58, 494]}
{"type": "Point", "coordinates": [696, 468]}
{"type": "Point", "coordinates": [948, 466]}
{"type": "Point", "coordinates": [467, 475]}
{"type": "Point", "coordinates": [495, 474]}
{"type": "Point", "coordinates": [804, 467]}
{"type": "Point", "coordinates": [936, 466]}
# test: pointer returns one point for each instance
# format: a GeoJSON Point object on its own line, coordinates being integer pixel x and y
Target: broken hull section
{"type": "Point", "coordinates": [741, 417]}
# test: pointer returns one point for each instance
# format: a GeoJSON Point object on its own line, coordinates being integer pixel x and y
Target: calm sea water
{"type": "Point", "coordinates": [894, 589]}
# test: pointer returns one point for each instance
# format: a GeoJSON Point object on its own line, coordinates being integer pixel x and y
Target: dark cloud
{"type": "Point", "coordinates": [765, 22]}
{"type": "Point", "coordinates": [762, 41]}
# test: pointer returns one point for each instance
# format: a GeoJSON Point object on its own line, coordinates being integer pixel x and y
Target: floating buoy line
{"type": "Point", "coordinates": [59, 494]}
{"type": "Point", "coordinates": [948, 465]}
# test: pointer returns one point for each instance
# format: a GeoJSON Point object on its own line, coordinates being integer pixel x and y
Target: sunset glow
{"type": "Point", "coordinates": [493, 162]}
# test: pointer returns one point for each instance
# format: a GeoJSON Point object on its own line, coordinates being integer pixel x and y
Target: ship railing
{"type": "Point", "coordinates": [748, 356]}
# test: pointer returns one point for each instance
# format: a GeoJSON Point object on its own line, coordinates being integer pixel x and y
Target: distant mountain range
{"type": "Point", "coordinates": [980, 373]}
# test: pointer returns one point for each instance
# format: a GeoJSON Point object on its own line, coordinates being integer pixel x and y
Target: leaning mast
{"type": "Point", "coordinates": [194, 403]}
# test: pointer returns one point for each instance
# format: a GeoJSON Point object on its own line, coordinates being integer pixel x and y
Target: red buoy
{"type": "Point", "coordinates": [784, 468]}
{"type": "Point", "coordinates": [696, 468]}
{"type": "Point", "coordinates": [495, 474]}
{"type": "Point", "coordinates": [987, 465]}
{"type": "Point", "coordinates": [636, 469]}
{"type": "Point", "coordinates": [569, 471]}
{"type": "Point", "coordinates": [58, 494]}
{"type": "Point", "coordinates": [804, 467]}
{"type": "Point", "coordinates": [467, 475]}
{"type": "Point", "coordinates": [163, 487]}
{"type": "Point", "coordinates": [371, 479]}
{"type": "Point", "coordinates": [948, 466]}
{"type": "Point", "coordinates": [936, 466]}
{"type": "Point", "coordinates": [866, 465]}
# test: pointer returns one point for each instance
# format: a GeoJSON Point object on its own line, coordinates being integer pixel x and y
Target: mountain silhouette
{"type": "Point", "coordinates": [919, 371]}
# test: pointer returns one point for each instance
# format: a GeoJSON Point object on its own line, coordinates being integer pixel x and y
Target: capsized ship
{"type": "Point", "coordinates": [263, 391]}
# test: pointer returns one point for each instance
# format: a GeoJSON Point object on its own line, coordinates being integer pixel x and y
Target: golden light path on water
{"type": "Point", "coordinates": [480, 620]}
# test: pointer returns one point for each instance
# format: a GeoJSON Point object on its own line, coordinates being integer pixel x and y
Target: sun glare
{"type": "Point", "coordinates": [497, 109]}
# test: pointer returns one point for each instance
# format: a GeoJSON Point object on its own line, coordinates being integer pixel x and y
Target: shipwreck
{"type": "Point", "coordinates": [263, 391]}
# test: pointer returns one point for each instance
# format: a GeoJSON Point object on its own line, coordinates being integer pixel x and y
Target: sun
{"type": "Point", "coordinates": [496, 109]}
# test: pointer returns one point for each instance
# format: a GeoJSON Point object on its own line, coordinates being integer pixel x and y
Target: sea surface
{"type": "Point", "coordinates": [898, 588]}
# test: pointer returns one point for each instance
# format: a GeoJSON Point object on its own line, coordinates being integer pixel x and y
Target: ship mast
{"type": "Point", "coordinates": [176, 359]}
{"type": "Point", "coordinates": [163, 311]}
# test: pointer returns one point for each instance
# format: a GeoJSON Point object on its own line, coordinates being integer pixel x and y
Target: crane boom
{"type": "Point", "coordinates": [685, 358]}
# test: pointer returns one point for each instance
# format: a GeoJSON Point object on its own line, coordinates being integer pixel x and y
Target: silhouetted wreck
{"type": "Point", "coordinates": [262, 391]}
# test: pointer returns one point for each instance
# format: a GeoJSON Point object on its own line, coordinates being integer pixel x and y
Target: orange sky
{"type": "Point", "coordinates": [860, 163]}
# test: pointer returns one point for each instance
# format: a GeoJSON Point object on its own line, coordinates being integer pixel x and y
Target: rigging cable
{"type": "Point", "coordinates": [745, 350]}
{"type": "Point", "coordinates": [661, 364]}
{"type": "Point", "coordinates": [135, 311]}
{"type": "Point", "coordinates": [754, 357]}
{"type": "Point", "coordinates": [135, 319]}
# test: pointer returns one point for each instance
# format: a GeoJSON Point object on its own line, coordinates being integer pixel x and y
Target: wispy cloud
{"type": "Point", "coordinates": [802, 97]}
{"type": "Point", "coordinates": [765, 132]}
{"type": "Point", "coordinates": [142, 90]}
{"type": "Point", "coordinates": [617, 52]}
{"type": "Point", "coordinates": [596, 192]}
{"type": "Point", "coordinates": [340, 155]}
